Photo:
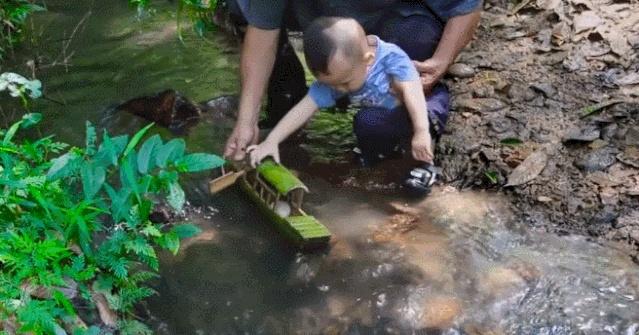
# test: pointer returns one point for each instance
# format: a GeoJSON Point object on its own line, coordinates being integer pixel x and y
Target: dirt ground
{"type": "Point", "coordinates": [546, 110]}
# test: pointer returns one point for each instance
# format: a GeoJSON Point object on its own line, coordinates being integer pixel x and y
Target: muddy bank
{"type": "Point", "coordinates": [546, 110]}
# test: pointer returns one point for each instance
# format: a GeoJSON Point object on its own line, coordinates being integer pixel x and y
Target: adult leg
{"type": "Point", "coordinates": [287, 84]}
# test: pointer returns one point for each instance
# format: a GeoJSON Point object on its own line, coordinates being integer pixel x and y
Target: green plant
{"type": "Point", "coordinates": [197, 11]}
{"type": "Point", "coordinates": [76, 228]}
{"type": "Point", "coordinates": [330, 136]}
{"type": "Point", "coordinates": [13, 16]}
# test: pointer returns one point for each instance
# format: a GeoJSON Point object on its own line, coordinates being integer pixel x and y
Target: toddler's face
{"type": "Point", "coordinates": [344, 74]}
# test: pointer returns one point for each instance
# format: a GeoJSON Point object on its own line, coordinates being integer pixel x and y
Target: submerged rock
{"type": "Point", "coordinates": [168, 109]}
{"type": "Point", "coordinates": [440, 312]}
{"type": "Point", "coordinates": [176, 112]}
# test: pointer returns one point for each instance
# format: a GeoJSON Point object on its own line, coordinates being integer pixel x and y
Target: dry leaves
{"type": "Point", "coordinates": [529, 169]}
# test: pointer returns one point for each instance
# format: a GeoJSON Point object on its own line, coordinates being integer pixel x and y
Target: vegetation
{"type": "Point", "coordinates": [76, 226]}
{"type": "Point", "coordinates": [199, 12]}
{"type": "Point", "coordinates": [330, 136]}
{"type": "Point", "coordinates": [13, 16]}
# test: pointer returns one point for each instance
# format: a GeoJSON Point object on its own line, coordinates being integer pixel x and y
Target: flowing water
{"type": "Point", "coordinates": [455, 263]}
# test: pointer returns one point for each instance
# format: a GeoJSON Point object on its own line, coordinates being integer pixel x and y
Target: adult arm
{"type": "Point", "coordinates": [256, 64]}
{"type": "Point", "coordinates": [458, 31]}
{"type": "Point", "coordinates": [291, 122]}
{"type": "Point", "coordinates": [413, 97]}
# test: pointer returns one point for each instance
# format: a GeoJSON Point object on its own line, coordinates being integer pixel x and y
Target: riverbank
{"type": "Point", "coordinates": [550, 116]}
{"type": "Point", "coordinates": [545, 109]}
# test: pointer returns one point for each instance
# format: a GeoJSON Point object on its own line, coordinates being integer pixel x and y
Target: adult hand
{"type": "Point", "coordinates": [430, 71]}
{"type": "Point", "coordinates": [241, 137]}
{"type": "Point", "coordinates": [263, 150]}
{"type": "Point", "coordinates": [422, 146]}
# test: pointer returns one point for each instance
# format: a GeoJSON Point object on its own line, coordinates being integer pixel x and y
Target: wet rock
{"type": "Point", "coordinates": [222, 106]}
{"type": "Point", "coordinates": [597, 160]}
{"type": "Point", "coordinates": [168, 108]}
{"type": "Point", "coordinates": [499, 280]}
{"type": "Point", "coordinates": [440, 312]}
{"type": "Point", "coordinates": [461, 70]}
{"type": "Point", "coordinates": [547, 89]}
{"type": "Point", "coordinates": [584, 134]}
{"type": "Point", "coordinates": [529, 169]}
{"type": "Point", "coordinates": [480, 104]}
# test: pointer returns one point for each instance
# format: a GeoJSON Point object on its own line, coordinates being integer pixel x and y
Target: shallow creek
{"type": "Point", "coordinates": [455, 263]}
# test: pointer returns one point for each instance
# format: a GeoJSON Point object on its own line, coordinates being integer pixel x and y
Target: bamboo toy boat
{"type": "Point", "coordinates": [280, 195]}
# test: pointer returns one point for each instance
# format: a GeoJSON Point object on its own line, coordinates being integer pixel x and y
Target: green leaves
{"type": "Point", "coordinates": [186, 230]}
{"type": "Point", "coordinates": [84, 216]}
{"type": "Point", "coordinates": [511, 141]}
{"type": "Point", "coordinates": [169, 152]}
{"type": "Point", "coordinates": [136, 138]}
{"type": "Point", "coordinates": [176, 196]}
{"type": "Point", "coordinates": [93, 177]}
{"type": "Point", "coordinates": [198, 162]}
{"type": "Point", "coordinates": [146, 156]}
{"type": "Point", "coordinates": [30, 119]}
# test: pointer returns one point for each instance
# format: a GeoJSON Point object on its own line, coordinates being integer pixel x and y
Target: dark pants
{"type": "Point", "coordinates": [417, 35]}
{"type": "Point", "coordinates": [378, 130]}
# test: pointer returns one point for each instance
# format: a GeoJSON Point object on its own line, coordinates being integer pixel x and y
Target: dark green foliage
{"type": "Point", "coordinates": [13, 16]}
{"type": "Point", "coordinates": [511, 141]}
{"type": "Point", "coordinates": [330, 136]}
{"type": "Point", "coordinates": [81, 215]}
{"type": "Point", "coordinates": [199, 12]}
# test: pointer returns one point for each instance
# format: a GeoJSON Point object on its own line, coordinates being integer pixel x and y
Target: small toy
{"type": "Point", "coordinates": [279, 194]}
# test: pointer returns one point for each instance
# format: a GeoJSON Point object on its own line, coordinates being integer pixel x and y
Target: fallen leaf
{"type": "Point", "coordinates": [586, 20]}
{"type": "Point", "coordinates": [560, 33]}
{"type": "Point", "coordinates": [631, 78]}
{"type": "Point", "coordinates": [529, 169]}
{"type": "Point", "coordinates": [617, 41]}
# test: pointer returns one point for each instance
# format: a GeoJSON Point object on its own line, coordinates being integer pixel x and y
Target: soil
{"type": "Point", "coordinates": [549, 80]}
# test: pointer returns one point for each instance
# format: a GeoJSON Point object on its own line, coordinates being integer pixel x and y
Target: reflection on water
{"type": "Point", "coordinates": [454, 263]}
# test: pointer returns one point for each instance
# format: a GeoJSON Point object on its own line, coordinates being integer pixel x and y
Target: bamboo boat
{"type": "Point", "coordinates": [280, 195]}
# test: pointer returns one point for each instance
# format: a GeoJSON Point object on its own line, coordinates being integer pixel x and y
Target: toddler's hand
{"type": "Point", "coordinates": [259, 152]}
{"type": "Point", "coordinates": [421, 147]}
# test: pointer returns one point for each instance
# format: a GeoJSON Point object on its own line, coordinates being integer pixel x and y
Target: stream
{"type": "Point", "coordinates": [454, 263]}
